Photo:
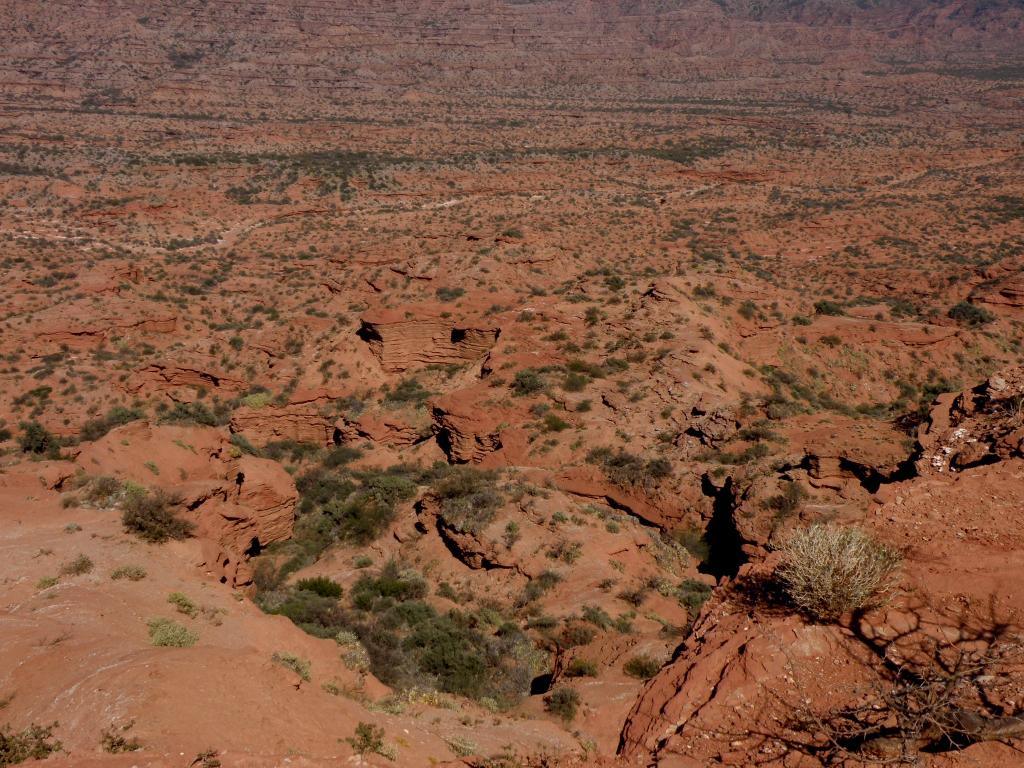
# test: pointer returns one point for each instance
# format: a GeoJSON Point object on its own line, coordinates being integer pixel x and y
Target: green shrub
{"type": "Point", "coordinates": [368, 740]}
{"type": "Point", "coordinates": [563, 702]}
{"type": "Point", "coordinates": [692, 594]}
{"type": "Point", "coordinates": [320, 616]}
{"type": "Point", "coordinates": [693, 540]}
{"type": "Point", "coordinates": [335, 507]}
{"type": "Point", "coordinates": [81, 565]}
{"type": "Point", "coordinates": [828, 570]}
{"type": "Point", "coordinates": [628, 469]}
{"type": "Point", "coordinates": [575, 382]}
{"type": "Point", "coordinates": [407, 392]}
{"type": "Point", "coordinates": [94, 429]}
{"type": "Point", "coordinates": [969, 314]}
{"type": "Point", "coordinates": [241, 442]}
{"type": "Point", "coordinates": [446, 293]}
{"type": "Point", "coordinates": [320, 585]}
{"type": "Point", "coordinates": [130, 572]}
{"type": "Point", "coordinates": [538, 585]}
{"type": "Point", "coordinates": [577, 634]}
{"type": "Point", "coordinates": [787, 503]}
{"type": "Point", "coordinates": [581, 668]}
{"type": "Point", "coordinates": [36, 439]}
{"type": "Point", "coordinates": [184, 605]}
{"type": "Point", "coordinates": [35, 742]}
{"type": "Point", "coordinates": [596, 616]}
{"type": "Point", "coordinates": [407, 643]}
{"type": "Point", "coordinates": [197, 413]}
{"type": "Point", "coordinates": [103, 492]}
{"type": "Point", "coordinates": [390, 584]}
{"type": "Point", "coordinates": [642, 667]}
{"type": "Point", "coordinates": [553, 423]}
{"type": "Point", "coordinates": [167, 633]}
{"type": "Point", "coordinates": [148, 514]}
{"type": "Point", "coordinates": [468, 498]}
{"type": "Point", "coordinates": [461, 747]}
{"type": "Point", "coordinates": [826, 307]}
{"type": "Point", "coordinates": [115, 740]}
{"type": "Point", "coordinates": [527, 382]}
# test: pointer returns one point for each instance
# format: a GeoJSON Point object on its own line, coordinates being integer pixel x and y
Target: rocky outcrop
{"type": "Point", "coordinates": [978, 426]}
{"type": "Point", "coordinates": [254, 506]}
{"type": "Point", "coordinates": [466, 430]}
{"type": "Point", "coordinates": [86, 332]}
{"type": "Point", "coordinates": [161, 377]}
{"type": "Point", "coordinates": [469, 547]}
{"type": "Point", "coordinates": [712, 426]}
{"type": "Point", "coordinates": [301, 423]}
{"type": "Point", "coordinates": [729, 685]}
{"type": "Point", "coordinates": [1007, 293]}
{"type": "Point", "coordinates": [380, 428]}
{"type": "Point", "coordinates": [400, 343]}
{"type": "Point", "coordinates": [589, 483]}
{"type": "Point", "coordinates": [238, 504]}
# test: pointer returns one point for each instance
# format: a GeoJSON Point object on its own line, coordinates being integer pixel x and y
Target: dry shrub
{"type": "Point", "coordinates": [828, 570]}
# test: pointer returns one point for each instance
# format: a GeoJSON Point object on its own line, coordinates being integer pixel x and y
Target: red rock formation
{"type": "Point", "coordinates": [238, 504]}
{"type": "Point", "coordinates": [86, 332]}
{"type": "Point", "coordinates": [380, 428]}
{"type": "Point", "coordinates": [301, 422]}
{"type": "Point", "coordinates": [160, 377]}
{"type": "Point", "coordinates": [467, 430]}
{"type": "Point", "coordinates": [980, 425]}
{"type": "Point", "coordinates": [590, 483]}
{"type": "Point", "coordinates": [254, 507]}
{"type": "Point", "coordinates": [401, 342]}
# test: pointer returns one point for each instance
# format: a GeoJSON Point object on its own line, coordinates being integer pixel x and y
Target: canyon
{"type": "Point", "coordinates": [435, 382]}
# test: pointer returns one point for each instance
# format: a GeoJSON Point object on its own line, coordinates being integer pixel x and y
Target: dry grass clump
{"type": "Point", "coordinates": [828, 570]}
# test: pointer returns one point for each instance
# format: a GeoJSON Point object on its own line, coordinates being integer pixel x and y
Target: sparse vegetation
{"type": "Point", "coordinates": [167, 633]}
{"type": "Point", "coordinates": [130, 572]}
{"type": "Point", "coordinates": [295, 663]}
{"type": "Point", "coordinates": [36, 742]}
{"type": "Point", "coordinates": [79, 566]}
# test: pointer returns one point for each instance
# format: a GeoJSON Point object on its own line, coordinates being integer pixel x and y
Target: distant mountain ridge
{"type": "Point", "coordinates": [214, 51]}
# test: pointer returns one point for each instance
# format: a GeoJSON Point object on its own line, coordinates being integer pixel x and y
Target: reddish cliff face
{"type": "Point", "coordinates": [405, 340]}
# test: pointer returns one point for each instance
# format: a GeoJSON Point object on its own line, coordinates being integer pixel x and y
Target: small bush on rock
{"type": "Point", "coordinates": [468, 498]}
{"type": "Point", "coordinates": [642, 667]}
{"type": "Point", "coordinates": [828, 570]}
{"type": "Point", "coordinates": [166, 633]}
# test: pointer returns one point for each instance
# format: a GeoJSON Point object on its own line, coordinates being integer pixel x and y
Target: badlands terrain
{"type": "Point", "coordinates": [413, 382]}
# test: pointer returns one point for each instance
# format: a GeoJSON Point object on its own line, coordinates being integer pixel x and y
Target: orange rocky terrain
{"type": "Point", "coordinates": [512, 383]}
